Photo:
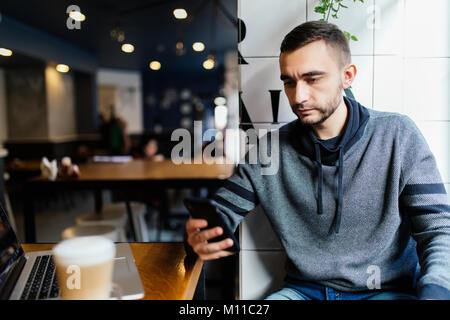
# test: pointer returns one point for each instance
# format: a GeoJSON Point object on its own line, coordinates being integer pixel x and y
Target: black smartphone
{"type": "Point", "coordinates": [201, 208]}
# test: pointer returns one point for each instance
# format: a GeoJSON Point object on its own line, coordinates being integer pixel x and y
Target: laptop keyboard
{"type": "Point", "coordinates": [42, 282]}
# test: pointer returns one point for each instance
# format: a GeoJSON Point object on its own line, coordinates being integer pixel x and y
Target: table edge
{"type": "Point", "coordinates": [188, 293]}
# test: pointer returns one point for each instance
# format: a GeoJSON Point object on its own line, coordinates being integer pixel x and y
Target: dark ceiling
{"type": "Point", "coordinates": [148, 24]}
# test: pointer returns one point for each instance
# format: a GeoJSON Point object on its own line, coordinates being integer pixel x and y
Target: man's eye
{"type": "Point", "coordinates": [312, 80]}
{"type": "Point", "coordinates": [289, 83]}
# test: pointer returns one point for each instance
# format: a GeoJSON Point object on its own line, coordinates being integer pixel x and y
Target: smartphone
{"type": "Point", "coordinates": [201, 208]}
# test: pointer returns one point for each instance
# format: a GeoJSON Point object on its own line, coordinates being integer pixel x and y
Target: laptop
{"type": "Point", "coordinates": [32, 276]}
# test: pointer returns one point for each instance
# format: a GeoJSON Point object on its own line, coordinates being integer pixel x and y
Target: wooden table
{"type": "Point", "coordinates": [145, 170]}
{"type": "Point", "coordinates": [136, 174]}
{"type": "Point", "coordinates": [165, 270]}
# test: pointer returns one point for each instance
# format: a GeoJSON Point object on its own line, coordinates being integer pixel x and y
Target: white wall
{"type": "Point", "coordinates": [3, 114]}
{"type": "Point", "coordinates": [128, 100]}
{"type": "Point", "coordinates": [60, 104]}
{"type": "Point", "coordinates": [403, 62]}
{"type": "Point", "coordinates": [261, 260]}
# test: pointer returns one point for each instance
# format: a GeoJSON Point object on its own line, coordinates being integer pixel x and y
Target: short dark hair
{"type": "Point", "coordinates": [317, 30]}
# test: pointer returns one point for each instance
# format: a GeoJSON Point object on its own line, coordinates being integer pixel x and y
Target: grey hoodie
{"type": "Point", "coordinates": [383, 204]}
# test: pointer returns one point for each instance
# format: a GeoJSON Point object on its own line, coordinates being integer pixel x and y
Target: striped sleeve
{"type": "Point", "coordinates": [237, 196]}
{"type": "Point", "coordinates": [425, 201]}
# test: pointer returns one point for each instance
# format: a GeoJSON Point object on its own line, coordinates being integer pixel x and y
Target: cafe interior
{"type": "Point", "coordinates": [90, 96]}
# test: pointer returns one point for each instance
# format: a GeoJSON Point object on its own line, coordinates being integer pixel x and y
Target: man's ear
{"type": "Point", "coordinates": [349, 75]}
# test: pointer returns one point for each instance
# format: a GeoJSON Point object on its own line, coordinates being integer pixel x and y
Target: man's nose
{"type": "Point", "coordinates": [301, 93]}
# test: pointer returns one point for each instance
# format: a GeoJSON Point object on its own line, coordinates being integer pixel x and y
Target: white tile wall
{"type": "Point", "coordinates": [437, 134]}
{"type": "Point", "coordinates": [427, 94]}
{"type": "Point", "coordinates": [363, 83]}
{"type": "Point", "coordinates": [388, 84]}
{"type": "Point", "coordinates": [258, 77]}
{"type": "Point", "coordinates": [427, 28]}
{"type": "Point", "coordinates": [267, 22]}
{"type": "Point", "coordinates": [260, 273]}
{"type": "Point", "coordinates": [388, 27]}
{"type": "Point", "coordinates": [357, 19]}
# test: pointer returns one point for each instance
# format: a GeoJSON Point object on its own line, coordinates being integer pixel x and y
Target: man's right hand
{"type": "Point", "coordinates": [198, 240]}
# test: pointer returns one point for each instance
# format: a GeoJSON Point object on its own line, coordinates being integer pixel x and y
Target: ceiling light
{"type": "Point", "coordinates": [77, 16]}
{"type": "Point", "coordinates": [62, 68]}
{"type": "Point", "coordinates": [208, 63]}
{"type": "Point", "coordinates": [128, 48]}
{"type": "Point", "coordinates": [180, 13]}
{"type": "Point", "coordinates": [179, 45]}
{"type": "Point", "coordinates": [220, 117]}
{"type": "Point", "coordinates": [5, 52]}
{"type": "Point", "coordinates": [220, 101]}
{"type": "Point", "coordinates": [117, 34]}
{"type": "Point", "coordinates": [120, 36]}
{"type": "Point", "coordinates": [198, 46]}
{"type": "Point", "coordinates": [155, 65]}
{"type": "Point", "coordinates": [180, 49]}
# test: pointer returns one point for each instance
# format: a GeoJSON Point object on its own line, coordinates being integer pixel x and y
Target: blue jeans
{"type": "Point", "coordinates": [312, 291]}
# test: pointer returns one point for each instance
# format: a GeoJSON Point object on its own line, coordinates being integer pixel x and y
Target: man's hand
{"type": "Point", "coordinates": [198, 240]}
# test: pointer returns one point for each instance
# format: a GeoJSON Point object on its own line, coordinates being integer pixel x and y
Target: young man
{"type": "Point", "coordinates": [357, 193]}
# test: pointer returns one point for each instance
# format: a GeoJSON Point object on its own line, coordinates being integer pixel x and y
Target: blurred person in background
{"type": "Point", "coordinates": [114, 134]}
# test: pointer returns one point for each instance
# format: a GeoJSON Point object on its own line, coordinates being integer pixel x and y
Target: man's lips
{"type": "Point", "coordinates": [304, 111]}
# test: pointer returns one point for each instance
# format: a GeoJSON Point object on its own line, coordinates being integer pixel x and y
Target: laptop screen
{"type": "Point", "coordinates": [10, 248]}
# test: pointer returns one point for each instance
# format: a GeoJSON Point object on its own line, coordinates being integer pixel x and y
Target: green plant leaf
{"type": "Point", "coordinates": [319, 10]}
{"type": "Point", "coordinates": [354, 38]}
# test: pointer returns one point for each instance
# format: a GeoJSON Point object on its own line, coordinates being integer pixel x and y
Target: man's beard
{"type": "Point", "coordinates": [325, 112]}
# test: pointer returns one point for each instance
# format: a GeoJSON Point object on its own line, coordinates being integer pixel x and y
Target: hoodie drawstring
{"type": "Point", "coordinates": [337, 224]}
{"type": "Point", "coordinates": [337, 221]}
{"type": "Point", "coordinates": [303, 138]}
{"type": "Point", "coordinates": [320, 183]}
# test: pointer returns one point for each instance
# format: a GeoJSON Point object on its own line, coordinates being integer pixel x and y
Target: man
{"type": "Point", "coordinates": [357, 193]}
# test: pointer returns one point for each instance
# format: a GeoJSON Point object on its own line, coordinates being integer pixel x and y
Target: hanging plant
{"type": "Point", "coordinates": [330, 8]}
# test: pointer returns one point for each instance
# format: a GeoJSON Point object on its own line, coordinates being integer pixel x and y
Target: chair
{"type": "Point", "coordinates": [107, 231]}
{"type": "Point", "coordinates": [115, 214]}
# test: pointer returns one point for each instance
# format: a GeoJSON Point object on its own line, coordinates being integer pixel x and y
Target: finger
{"type": "Point", "coordinates": [201, 237]}
{"type": "Point", "coordinates": [205, 235]}
{"type": "Point", "coordinates": [213, 247]}
{"type": "Point", "coordinates": [194, 224]}
{"type": "Point", "coordinates": [217, 255]}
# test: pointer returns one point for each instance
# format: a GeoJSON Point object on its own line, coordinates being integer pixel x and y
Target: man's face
{"type": "Point", "coordinates": [312, 77]}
